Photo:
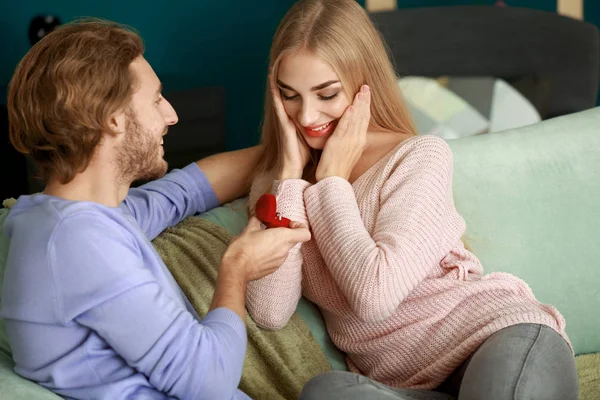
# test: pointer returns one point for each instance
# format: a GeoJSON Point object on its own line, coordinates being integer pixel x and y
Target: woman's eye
{"type": "Point", "coordinates": [327, 98]}
{"type": "Point", "coordinates": [284, 97]}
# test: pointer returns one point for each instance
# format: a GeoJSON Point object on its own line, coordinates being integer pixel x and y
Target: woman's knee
{"type": "Point", "coordinates": [522, 362]}
{"type": "Point", "coordinates": [549, 371]}
{"type": "Point", "coordinates": [328, 384]}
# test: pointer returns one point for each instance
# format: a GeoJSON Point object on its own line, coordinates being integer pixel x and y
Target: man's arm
{"type": "Point", "coordinates": [230, 290]}
{"type": "Point", "coordinates": [252, 255]}
{"type": "Point", "coordinates": [105, 285]}
{"type": "Point", "coordinates": [165, 202]}
{"type": "Point", "coordinates": [230, 173]}
{"type": "Point", "coordinates": [197, 188]}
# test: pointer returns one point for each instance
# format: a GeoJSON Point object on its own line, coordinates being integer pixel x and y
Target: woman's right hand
{"type": "Point", "coordinates": [295, 152]}
{"type": "Point", "coordinates": [258, 252]}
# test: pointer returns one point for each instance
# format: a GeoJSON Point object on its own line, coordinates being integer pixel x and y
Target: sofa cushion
{"type": "Point", "coordinates": [17, 388]}
{"type": "Point", "coordinates": [531, 198]}
{"type": "Point", "coordinates": [4, 345]}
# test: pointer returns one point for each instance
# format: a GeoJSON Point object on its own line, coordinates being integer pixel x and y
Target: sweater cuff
{"type": "Point", "coordinates": [290, 199]}
{"type": "Point", "coordinates": [333, 185]}
{"type": "Point", "coordinates": [228, 317]}
{"type": "Point", "coordinates": [294, 185]}
{"type": "Point", "coordinates": [331, 201]}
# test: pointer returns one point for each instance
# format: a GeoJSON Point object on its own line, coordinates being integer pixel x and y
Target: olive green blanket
{"type": "Point", "coordinates": [278, 363]}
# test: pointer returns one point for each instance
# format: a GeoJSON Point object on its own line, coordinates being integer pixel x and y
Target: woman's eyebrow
{"type": "Point", "coordinates": [315, 88]}
{"type": "Point", "coordinates": [323, 85]}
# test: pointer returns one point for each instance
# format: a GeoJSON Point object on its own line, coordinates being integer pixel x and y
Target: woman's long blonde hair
{"type": "Point", "coordinates": [341, 33]}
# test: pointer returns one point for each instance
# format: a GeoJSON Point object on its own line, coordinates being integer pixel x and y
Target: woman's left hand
{"type": "Point", "coordinates": [345, 146]}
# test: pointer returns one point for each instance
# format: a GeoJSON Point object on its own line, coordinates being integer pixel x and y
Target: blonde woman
{"type": "Point", "coordinates": [400, 293]}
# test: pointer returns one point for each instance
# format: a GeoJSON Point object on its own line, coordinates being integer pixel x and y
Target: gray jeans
{"type": "Point", "coordinates": [525, 361]}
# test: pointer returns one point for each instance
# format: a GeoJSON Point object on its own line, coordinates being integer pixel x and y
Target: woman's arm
{"type": "Point", "coordinates": [377, 272]}
{"type": "Point", "coordinates": [229, 173]}
{"type": "Point", "coordinates": [272, 300]}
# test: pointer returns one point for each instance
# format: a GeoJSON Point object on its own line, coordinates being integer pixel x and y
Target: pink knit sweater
{"type": "Point", "coordinates": [386, 265]}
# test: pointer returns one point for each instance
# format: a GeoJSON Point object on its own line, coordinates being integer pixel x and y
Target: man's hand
{"type": "Point", "coordinates": [252, 255]}
{"type": "Point", "coordinates": [260, 252]}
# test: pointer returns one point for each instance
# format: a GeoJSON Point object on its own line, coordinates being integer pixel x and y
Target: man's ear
{"type": "Point", "coordinates": [118, 122]}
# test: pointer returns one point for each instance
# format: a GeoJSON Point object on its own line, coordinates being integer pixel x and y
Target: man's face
{"type": "Point", "coordinates": [140, 155]}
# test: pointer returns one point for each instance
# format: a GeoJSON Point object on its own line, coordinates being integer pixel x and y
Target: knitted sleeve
{"type": "Point", "coordinates": [272, 300]}
{"type": "Point", "coordinates": [377, 271]}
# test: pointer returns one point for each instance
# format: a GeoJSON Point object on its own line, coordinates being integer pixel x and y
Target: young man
{"type": "Point", "coordinates": [91, 310]}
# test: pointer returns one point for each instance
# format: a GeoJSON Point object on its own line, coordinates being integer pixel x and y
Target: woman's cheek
{"type": "Point", "coordinates": [338, 108]}
{"type": "Point", "coordinates": [290, 110]}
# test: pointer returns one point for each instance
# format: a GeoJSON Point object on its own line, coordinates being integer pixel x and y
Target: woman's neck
{"type": "Point", "coordinates": [379, 144]}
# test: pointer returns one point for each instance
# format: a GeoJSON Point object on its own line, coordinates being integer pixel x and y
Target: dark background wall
{"type": "Point", "coordinates": [193, 43]}
{"type": "Point", "coordinates": [190, 43]}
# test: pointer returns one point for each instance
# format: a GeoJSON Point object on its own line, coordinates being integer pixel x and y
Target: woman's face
{"type": "Point", "coordinates": [312, 96]}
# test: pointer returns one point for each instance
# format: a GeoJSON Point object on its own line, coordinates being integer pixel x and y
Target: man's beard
{"type": "Point", "coordinates": [139, 157]}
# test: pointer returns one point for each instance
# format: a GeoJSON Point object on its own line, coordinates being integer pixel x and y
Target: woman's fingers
{"type": "Point", "coordinates": [366, 108]}
{"type": "Point", "coordinates": [284, 120]}
{"type": "Point", "coordinates": [276, 97]}
{"type": "Point", "coordinates": [345, 122]}
{"type": "Point", "coordinates": [359, 123]}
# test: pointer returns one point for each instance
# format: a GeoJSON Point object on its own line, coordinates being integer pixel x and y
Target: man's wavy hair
{"type": "Point", "coordinates": [64, 91]}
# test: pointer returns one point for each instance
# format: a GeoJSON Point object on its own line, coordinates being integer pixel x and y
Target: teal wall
{"type": "Point", "coordinates": [189, 43]}
{"type": "Point", "coordinates": [194, 43]}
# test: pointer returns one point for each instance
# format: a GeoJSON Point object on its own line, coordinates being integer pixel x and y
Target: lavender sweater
{"type": "Point", "coordinates": [92, 311]}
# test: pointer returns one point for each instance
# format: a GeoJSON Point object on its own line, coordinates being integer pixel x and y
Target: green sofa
{"type": "Point", "coordinates": [531, 199]}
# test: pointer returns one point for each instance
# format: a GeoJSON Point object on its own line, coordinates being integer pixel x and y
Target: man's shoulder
{"type": "Point", "coordinates": [66, 256]}
{"type": "Point", "coordinates": [41, 230]}
{"type": "Point", "coordinates": [48, 214]}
